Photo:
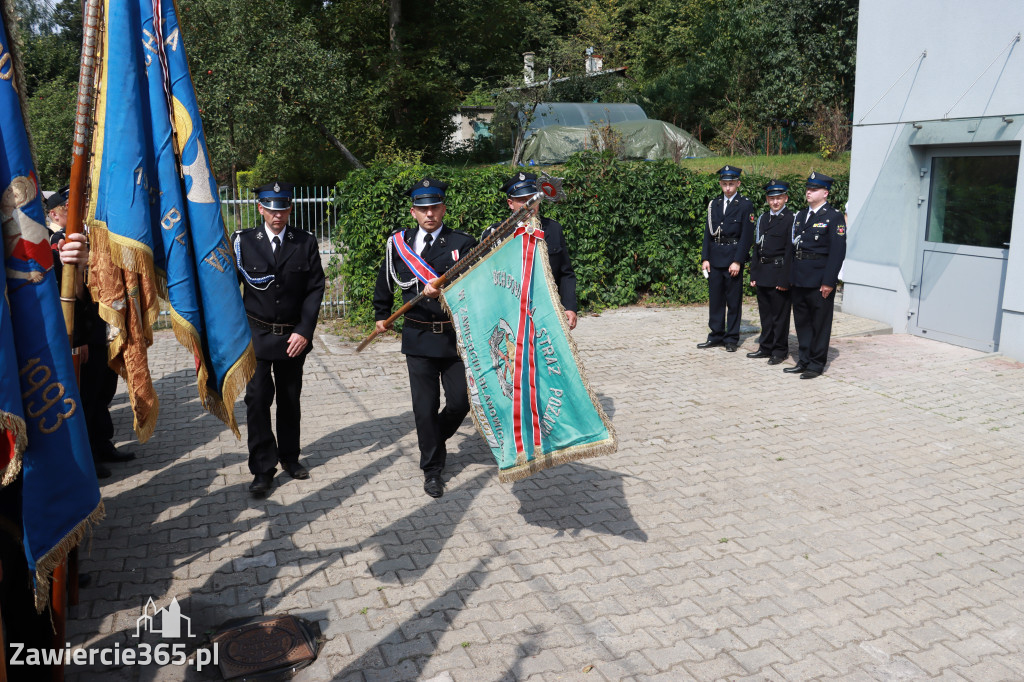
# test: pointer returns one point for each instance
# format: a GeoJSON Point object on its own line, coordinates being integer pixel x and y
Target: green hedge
{"type": "Point", "coordinates": [633, 228]}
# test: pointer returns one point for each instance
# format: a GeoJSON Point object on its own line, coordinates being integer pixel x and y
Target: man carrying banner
{"type": "Point", "coordinates": [519, 188]}
{"type": "Point", "coordinates": [414, 258]}
{"type": "Point", "coordinates": [283, 285]}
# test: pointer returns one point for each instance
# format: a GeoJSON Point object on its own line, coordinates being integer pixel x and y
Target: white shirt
{"type": "Point", "coordinates": [271, 235]}
{"type": "Point", "coordinates": [421, 238]}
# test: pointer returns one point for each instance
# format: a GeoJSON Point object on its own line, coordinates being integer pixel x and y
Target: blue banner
{"type": "Point", "coordinates": [60, 495]}
{"type": "Point", "coordinates": [528, 395]}
{"type": "Point", "coordinates": [154, 200]}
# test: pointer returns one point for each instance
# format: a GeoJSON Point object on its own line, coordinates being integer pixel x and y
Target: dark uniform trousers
{"type": "Point", "coordinates": [434, 425]}
{"type": "Point", "coordinates": [290, 302]}
{"type": "Point", "coordinates": [770, 268]}
{"type": "Point", "coordinates": [734, 228]}
{"type": "Point", "coordinates": [812, 315]}
{"type": "Point", "coordinates": [429, 345]}
{"type": "Point", "coordinates": [819, 255]}
{"type": "Point", "coordinates": [264, 450]}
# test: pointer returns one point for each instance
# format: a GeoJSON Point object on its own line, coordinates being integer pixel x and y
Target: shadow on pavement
{"type": "Point", "coordinates": [574, 497]}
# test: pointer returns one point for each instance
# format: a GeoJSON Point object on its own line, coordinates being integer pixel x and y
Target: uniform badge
{"type": "Point", "coordinates": [522, 176]}
{"type": "Point", "coordinates": [455, 254]}
{"type": "Point", "coordinates": [751, 217]}
{"type": "Point", "coordinates": [259, 235]}
{"type": "Point", "coordinates": [841, 230]}
{"type": "Point", "coordinates": [277, 187]}
{"type": "Point", "coordinates": [291, 235]}
{"type": "Point", "coordinates": [426, 183]}
{"type": "Point", "coordinates": [813, 176]}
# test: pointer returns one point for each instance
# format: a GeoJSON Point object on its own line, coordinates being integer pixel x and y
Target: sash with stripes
{"type": "Point", "coordinates": [413, 260]}
{"type": "Point", "coordinates": [525, 352]}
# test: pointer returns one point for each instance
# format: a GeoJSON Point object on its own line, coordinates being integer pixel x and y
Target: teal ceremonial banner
{"type": "Point", "coordinates": [528, 395]}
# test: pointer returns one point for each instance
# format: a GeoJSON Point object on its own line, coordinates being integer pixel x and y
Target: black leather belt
{"type": "Point", "coordinates": [778, 260]}
{"type": "Point", "coordinates": [278, 329]}
{"type": "Point", "coordinates": [807, 255]}
{"type": "Point", "coordinates": [726, 242]}
{"type": "Point", "coordinates": [433, 327]}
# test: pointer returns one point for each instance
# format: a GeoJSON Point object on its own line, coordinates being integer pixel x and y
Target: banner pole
{"type": "Point", "coordinates": [80, 158]}
{"type": "Point", "coordinates": [503, 230]}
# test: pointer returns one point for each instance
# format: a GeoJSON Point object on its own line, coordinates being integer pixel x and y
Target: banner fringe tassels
{"type": "Point", "coordinates": [56, 556]}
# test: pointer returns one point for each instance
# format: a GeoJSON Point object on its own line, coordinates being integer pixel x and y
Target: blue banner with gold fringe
{"type": "Point", "coordinates": [60, 495]}
{"type": "Point", "coordinates": [154, 200]}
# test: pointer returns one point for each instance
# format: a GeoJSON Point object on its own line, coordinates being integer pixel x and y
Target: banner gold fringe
{"type": "Point", "coordinates": [522, 469]}
{"type": "Point", "coordinates": [16, 425]}
{"type": "Point", "coordinates": [219, 404]}
{"type": "Point", "coordinates": [56, 556]}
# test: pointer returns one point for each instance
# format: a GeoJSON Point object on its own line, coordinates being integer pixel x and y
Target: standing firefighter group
{"type": "Point", "coordinates": [794, 266]}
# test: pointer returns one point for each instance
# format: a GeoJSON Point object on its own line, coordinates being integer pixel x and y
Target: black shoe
{"type": "Point", "coordinates": [115, 455]}
{"type": "Point", "coordinates": [101, 471]}
{"type": "Point", "coordinates": [759, 354]}
{"type": "Point", "coordinates": [261, 483]}
{"type": "Point", "coordinates": [434, 486]}
{"type": "Point", "coordinates": [295, 470]}
{"type": "Point", "coordinates": [710, 344]}
{"type": "Point", "coordinates": [731, 347]}
{"type": "Point", "coordinates": [810, 374]}
{"type": "Point", "coordinates": [776, 361]}
{"type": "Point", "coordinates": [798, 369]}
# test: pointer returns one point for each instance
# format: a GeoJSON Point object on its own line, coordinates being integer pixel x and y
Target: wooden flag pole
{"type": "Point", "coordinates": [70, 277]}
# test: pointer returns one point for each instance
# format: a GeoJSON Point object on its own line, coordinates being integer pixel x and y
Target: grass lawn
{"type": "Point", "coordinates": [786, 164]}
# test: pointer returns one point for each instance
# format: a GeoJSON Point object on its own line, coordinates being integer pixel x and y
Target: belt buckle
{"type": "Point", "coordinates": [277, 329]}
{"type": "Point", "coordinates": [437, 327]}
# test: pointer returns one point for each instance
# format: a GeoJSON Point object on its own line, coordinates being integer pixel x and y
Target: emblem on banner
{"type": "Point", "coordinates": [503, 353]}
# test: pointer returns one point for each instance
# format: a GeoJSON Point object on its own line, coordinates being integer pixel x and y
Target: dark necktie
{"type": "Point", "coordinates": [426, 245]}
{"type": "Point", "coordinates": [276, 241]}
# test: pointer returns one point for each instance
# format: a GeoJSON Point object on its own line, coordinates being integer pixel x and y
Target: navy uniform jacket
{"type": "Point", "coordinates": [440, 256]}
{"type": "Point", "coordinates": [772, 242]}
{"type": "Point", "coordinates": [824, 236]}
{"type": "Point", "coordinates": [737, 226]}
{"type": "Point", "coordinates": [294, 295]}
{"type": "Point", "coordinates": [558, 258]}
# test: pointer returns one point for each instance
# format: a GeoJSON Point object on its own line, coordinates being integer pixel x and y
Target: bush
{"type": "Point", "coordinates": [634, 229]}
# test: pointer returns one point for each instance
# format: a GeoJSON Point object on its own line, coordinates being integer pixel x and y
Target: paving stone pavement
{"type": "Point", "coordinates": [752, 526]}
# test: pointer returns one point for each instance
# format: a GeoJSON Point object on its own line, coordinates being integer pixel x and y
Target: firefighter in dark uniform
{"type": "Point", "coordinates": [519, 188]}
{"type": "Point", "coordinates": [769, 273]}
{"type": "Point", "coordinates": [428, 339]}
{"type": "Point", "coordinates": [727, 239]}
{"type": "Point", "coordinates": [282, 287]}
{"type": "Point", "coordinates": [819, 241]}
{"type": "Point", "coordinates": [97, 382]}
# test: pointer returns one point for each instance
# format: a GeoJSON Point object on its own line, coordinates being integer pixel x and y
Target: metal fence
{"type": "Point", "coordinates": [313, 212]}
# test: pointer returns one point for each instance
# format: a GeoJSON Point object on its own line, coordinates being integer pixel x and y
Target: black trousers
{"type": "Point", "coordinates": [774, 307]}
{"type": "Point", "coordinates": [434, 426]}
{"type": "Point", "coordinates": [264, 451]}
{"type": "Point", "coordinates": [724, 305]}
{"type": "Point", "coordinates": [97, 386]}
{"type": "Point", "coordinates": [812, 316]}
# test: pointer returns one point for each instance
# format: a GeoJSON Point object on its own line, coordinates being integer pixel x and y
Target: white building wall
{"type": "Point", "coordinates": [972, 68]}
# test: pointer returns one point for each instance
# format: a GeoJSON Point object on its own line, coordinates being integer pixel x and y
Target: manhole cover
{"type": "Point", "coordinates": [266, 648]}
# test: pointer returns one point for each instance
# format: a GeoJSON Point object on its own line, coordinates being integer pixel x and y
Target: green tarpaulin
{"type": "Point", "coordinates": [648, 139]}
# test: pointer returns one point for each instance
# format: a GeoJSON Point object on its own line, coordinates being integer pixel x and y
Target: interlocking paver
{"type": "Point", "coordinates": [862, 526]}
